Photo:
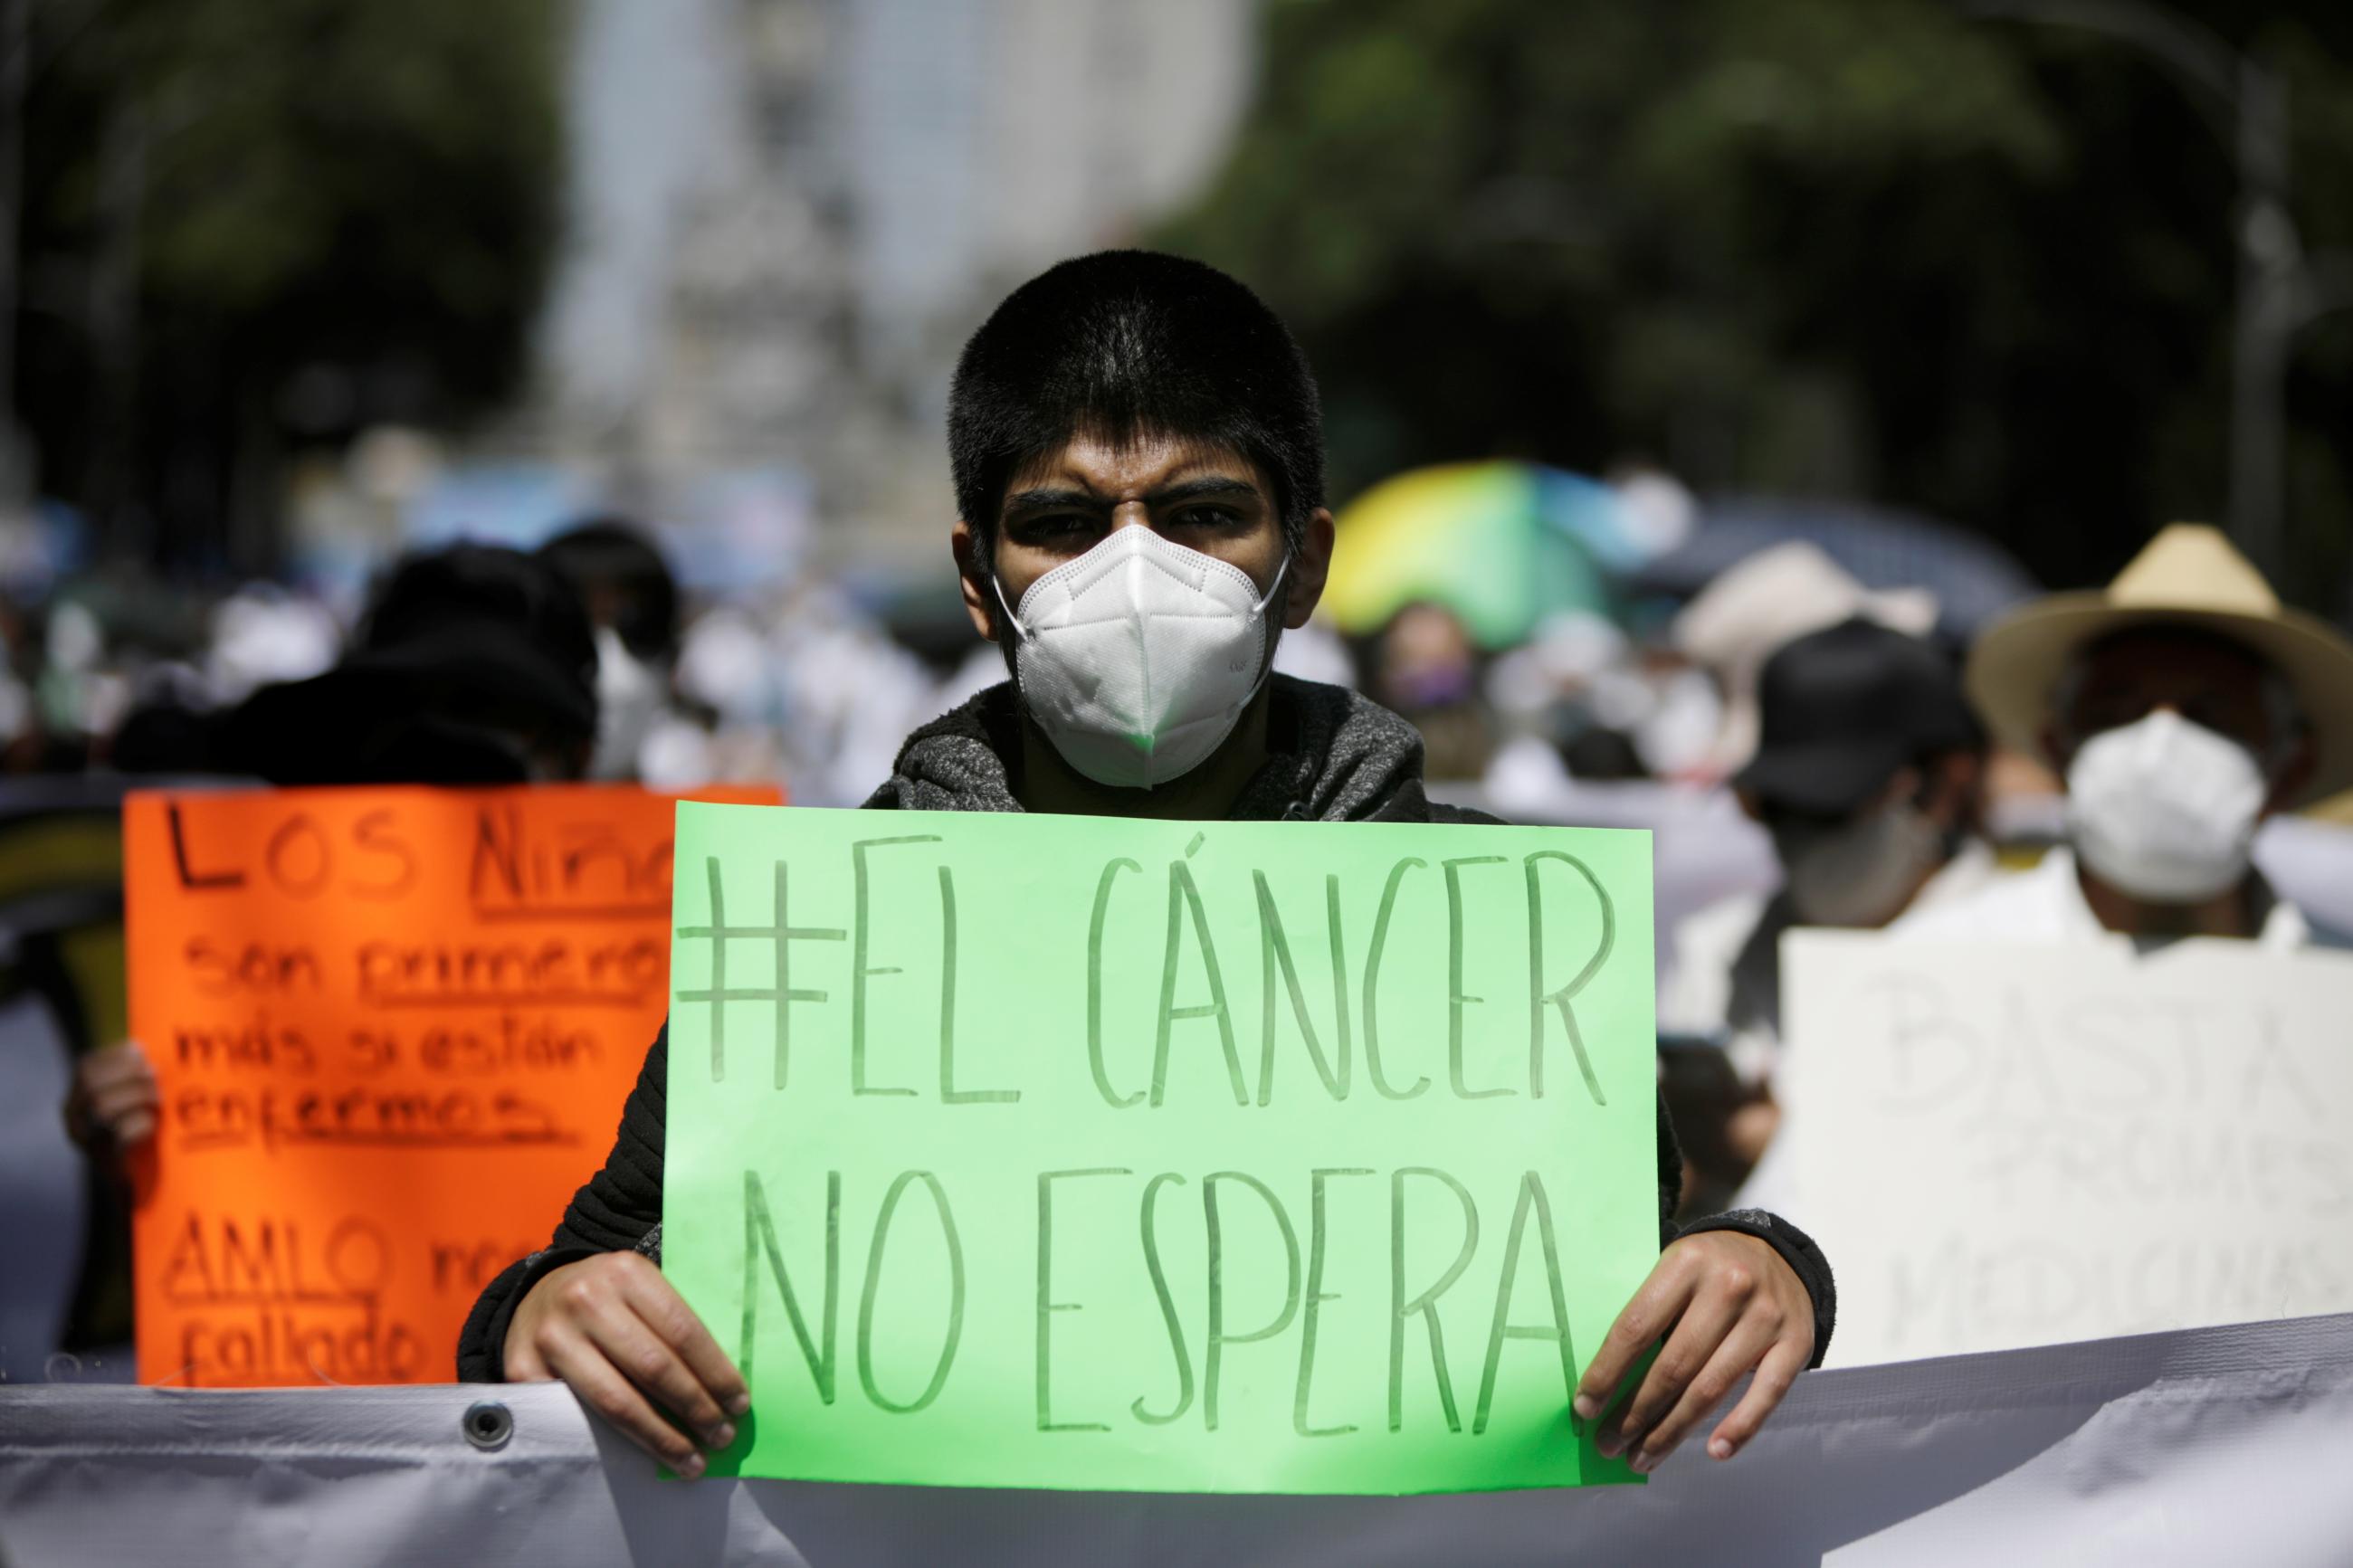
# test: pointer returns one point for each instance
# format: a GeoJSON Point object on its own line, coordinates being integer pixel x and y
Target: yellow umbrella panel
{"type": "Point", "coordinates": [1489, 540]}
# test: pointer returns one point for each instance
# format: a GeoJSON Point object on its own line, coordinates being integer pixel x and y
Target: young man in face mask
{"type": "Point", "coordinates": [2182, 705]}
{"type": "Point", "coordinates": [1138, 461]}
{"type": "Point", "coordinates": [1867, 775]}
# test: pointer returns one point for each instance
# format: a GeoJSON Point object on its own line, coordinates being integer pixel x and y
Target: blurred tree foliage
{"type": "Point", "coordinates": [254, 224]}
{"type": "Point", "coordinates": [1983, 268]}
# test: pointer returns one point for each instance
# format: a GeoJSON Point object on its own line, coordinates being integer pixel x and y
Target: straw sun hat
{"type": "Point", "coordinates": [2188, 575]}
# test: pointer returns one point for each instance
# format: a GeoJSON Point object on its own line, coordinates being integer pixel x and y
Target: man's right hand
{"type": "Point", "coordinates": [634, 1351]}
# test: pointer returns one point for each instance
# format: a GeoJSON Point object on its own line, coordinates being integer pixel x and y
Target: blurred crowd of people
{"type": "Point", "coordinates": [580, 659]}
{"type": "Point", "coordinates": [1803, 746]}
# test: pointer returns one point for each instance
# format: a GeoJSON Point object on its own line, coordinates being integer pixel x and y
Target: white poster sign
{"type": "Point", "coordinates": [2003, 1145]}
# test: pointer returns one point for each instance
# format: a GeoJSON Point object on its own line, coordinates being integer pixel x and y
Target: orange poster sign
{"type": "Point", "coordinates": [393, 1029]}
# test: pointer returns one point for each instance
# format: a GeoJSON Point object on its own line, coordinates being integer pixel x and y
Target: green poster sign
{"type": "Point", "coordinates": [1071, 1152]}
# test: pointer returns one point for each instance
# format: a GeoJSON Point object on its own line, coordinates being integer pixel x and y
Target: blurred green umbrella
{"type": "Point", "coordinates": [1500, 544]}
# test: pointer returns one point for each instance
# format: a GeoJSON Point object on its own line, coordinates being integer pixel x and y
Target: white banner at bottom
{"type": "Point", "coordinates": [2206, 1446]}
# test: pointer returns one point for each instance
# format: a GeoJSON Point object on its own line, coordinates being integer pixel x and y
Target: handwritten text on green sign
{"type": "Point", "coordinates": [1027, 1151]}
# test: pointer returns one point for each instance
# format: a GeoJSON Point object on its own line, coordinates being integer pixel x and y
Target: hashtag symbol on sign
{"type": "Point", "coordinates": [782, 994]}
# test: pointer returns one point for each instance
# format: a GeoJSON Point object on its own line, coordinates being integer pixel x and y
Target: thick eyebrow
{"type": "Point", "coordinates": [1041, 499]}
{"type": "Point", "coordinates": [1193, 489]}
{"type": "Point", "coordinates": [1048, 499]}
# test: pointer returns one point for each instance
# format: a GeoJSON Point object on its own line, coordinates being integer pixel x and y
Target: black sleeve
{"type": "Point", "coordinates": [1796, 1248]}
{"type": "Point", "coordinates": [618, 1211]}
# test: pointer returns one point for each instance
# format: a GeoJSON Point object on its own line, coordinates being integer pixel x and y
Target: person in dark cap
{"type": "Point", "coordinates": [1867, 773]}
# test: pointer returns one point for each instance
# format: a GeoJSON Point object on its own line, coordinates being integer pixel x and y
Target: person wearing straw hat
{"type": "Point", "coordinates": [2182, 705]}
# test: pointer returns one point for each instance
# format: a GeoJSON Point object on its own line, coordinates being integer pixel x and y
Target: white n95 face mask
{"type": "Point", "coordinates": [2165, 810]}
{"type": "Point", "coordinates": [1861, 872]}
{"type": "Point", "coordinates": [1138, 659]}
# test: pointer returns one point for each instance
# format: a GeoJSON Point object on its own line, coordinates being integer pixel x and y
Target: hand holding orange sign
{"type": "Point", "coordinates": [392, 1029]}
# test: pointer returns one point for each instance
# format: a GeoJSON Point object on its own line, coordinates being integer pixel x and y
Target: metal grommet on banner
{"type": "Point", "coordinates": [487, 1425]}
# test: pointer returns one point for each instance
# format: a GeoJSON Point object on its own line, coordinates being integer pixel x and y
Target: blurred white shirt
{"type": "Point", "coordinates": [1726, 982]}
{"type": "Point", "coordinates": [2046, 905]}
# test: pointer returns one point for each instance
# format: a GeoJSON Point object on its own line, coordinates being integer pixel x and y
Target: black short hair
{"type": "Point", "coordinates": [1125, 344]}
{"type": "Point", "coordinates": [618, 570]}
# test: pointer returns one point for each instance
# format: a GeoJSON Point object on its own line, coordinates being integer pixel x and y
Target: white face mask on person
{"type": "Point", "coordinates": [1138, 659]}
{"type": "Point", "coordinates": [2165, 810]}
{"type": "Point", "coordinates": [1862, 872]}
{"type": "Point", "coordinates": [629, 695]}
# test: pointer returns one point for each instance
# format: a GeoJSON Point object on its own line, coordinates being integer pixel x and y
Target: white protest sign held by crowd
{"type": "Point", "coordinates": [2008, 1146]}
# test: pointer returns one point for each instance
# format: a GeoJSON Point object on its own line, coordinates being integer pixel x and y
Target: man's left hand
{"type": "Point", "coordinates": [1732, 1307]}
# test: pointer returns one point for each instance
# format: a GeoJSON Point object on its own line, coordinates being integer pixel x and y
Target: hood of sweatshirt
{"type": "Point", "coordinates": [1334, 756]}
